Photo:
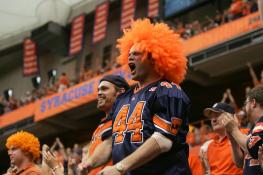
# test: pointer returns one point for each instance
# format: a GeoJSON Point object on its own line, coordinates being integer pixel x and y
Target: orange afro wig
{"type": "Point", "coordinates": [26, 142]}
{"type": "Point", "coordinates": [163, 43]}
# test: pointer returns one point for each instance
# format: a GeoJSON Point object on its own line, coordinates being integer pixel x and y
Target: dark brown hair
{"type": "Point", "coordinates": [257, 94]}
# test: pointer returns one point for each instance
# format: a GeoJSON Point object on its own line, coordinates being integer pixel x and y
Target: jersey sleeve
{"type": "Point", "coordinates": [106, 128]}
{"type": "Point", "coordinates": [255, 140]}
{"type": "Point", "coordinates": [108, 121]}
{"type": "Point", "coordinates": [171, 108]}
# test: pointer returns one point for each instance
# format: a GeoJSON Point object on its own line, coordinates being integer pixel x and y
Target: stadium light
{"type": "Point", "coordinates": [8, 93]}
{"type": "Point", "coordinates": [52, 73]}
{"type": "Point", "coordinates": [52, 76]}
{"type": "Point", "coordinates": [36, 81]}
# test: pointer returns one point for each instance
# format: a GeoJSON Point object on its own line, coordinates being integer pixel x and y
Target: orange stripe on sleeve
{"type": "Point", "coordinates": [258, 128]}
{"type": "Point", "coordinates": [164, 125]}
{"type": "Point", "coordinates": [106, 126]}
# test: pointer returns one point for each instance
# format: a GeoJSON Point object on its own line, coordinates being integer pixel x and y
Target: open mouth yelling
{"type": "Point", "coordinates": [100, 99]}
{"type": "Point", "coordinates": [132, 68]}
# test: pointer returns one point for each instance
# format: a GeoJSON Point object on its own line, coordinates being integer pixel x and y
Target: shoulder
{"type": "Point", "coordinates": [34, 170]}
{"type": "Point", "coordinates": [170, 89]}
{"type": "Point", "coordinates": [205, 146]}
{"type": "Point", "coordinates": [258, 129]}
{"type": "Point", "coordinates": [203, 152]}
{"type": "Point", "coordinates": [124, 95]}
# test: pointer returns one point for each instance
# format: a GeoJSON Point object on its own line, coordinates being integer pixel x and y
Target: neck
{"type": "Point", "coordinates": [149, 79]}
{"type": "Point", "coordinates": [24, 164]}
{"type": "Point", "coordinates": [258, 113]}
{"type": "Point", "coordinates": [221, 134]}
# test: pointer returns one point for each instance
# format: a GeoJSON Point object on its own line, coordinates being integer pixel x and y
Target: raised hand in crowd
{"type": "Point", "coordinates": [85, 166]}
{"type": "Point", "coordinates": [253, 74]}
{"type": "Point", "coordinates": [224, 98]}
{"type": "Point", "coordinates": [50, 160]}
{"type": "Point", "coordinates": [11, 170]}
{"type": "Point", "coordinates": [229, 122]}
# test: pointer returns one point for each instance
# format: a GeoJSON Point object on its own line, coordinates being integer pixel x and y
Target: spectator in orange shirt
{"type": "Point", "coordinates": [180, 28]}
{"type": "Point", "coordinates": [194, 160]}
{"type": "Point", "coordinates": [236, 9]}
{"type": "Point", "coordinates": [23, 150]}
{"type": "Point", "coordinates": [86, 74]}
{"type": "Point", "coordinates": [218, 156]}
{"type": "Point", "coordinates": [109, 88]}
{"type": "Point", "coordinates": [250, 144]}
{"type": "Point", "coordinates": [63, 82]}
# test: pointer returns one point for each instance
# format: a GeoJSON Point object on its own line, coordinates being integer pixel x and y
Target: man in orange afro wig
{"type": "Point", "coordinates": [150, 121]}
{"type": "Point", "coordinates": [23, 149]}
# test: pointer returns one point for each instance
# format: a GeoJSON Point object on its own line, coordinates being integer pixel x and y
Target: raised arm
{"type": "Point", "coordinates": [252, 74]}
{"type": "Point", "coordinates": [237, 154]}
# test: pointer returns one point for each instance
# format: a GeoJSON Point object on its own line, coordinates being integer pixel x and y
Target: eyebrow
{"type": "Point", "coordinates": [135, 52]}
{"type": "Point", "coordinates": [102, 87]}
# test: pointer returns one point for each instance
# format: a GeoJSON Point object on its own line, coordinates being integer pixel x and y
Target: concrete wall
{"type": "Point", "coordinates": [13, 77]}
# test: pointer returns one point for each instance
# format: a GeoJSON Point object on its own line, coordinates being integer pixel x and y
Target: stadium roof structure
{"type": "Point", "coordinates": [18, 18]}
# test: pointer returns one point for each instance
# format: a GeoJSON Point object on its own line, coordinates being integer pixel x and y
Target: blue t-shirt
{"type": "Point", "coordinates": [159, 107]}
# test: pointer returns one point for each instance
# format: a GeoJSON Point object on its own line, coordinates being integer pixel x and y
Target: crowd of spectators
{"type": "Point", "coordinates": [67, 158]}
{"type": "Point", "coordinates": [238, 9]}
{"type": "Point", "coordinates": [54, 85]}
{"type": "Point", "coordinates": [200, 133]}
{"type": "Point", "coordinates": [9, 102]}
{"type": "Point", "coordinates": [87, 74]}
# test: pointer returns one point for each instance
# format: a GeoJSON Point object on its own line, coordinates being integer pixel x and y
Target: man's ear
{"type": "Point", "coordinates": [254, 103]}
{"type": "Point", "coordinates": [120, 91]}
{"type": "Point", "coordinates": [28, 155]}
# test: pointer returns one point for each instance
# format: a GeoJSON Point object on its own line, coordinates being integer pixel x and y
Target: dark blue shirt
{"type": "Point", "coordinates": [251, 166]}
{"type": "Point", "coordinates": [159, 107]}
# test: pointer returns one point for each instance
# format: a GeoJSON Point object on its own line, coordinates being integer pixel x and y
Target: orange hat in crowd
{"type": "Point", "coordinates": [26, 141]}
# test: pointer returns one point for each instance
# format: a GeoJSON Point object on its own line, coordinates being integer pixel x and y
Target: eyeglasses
{"type": "Point", "coordinates": [247, 101]}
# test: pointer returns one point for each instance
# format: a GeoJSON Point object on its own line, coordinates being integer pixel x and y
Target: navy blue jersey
{"type": "Point", "coordinates": [252, 166]}
{"type": "Point", "coordinates": [159, 107]}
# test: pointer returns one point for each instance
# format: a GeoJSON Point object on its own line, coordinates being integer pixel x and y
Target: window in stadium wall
{"type": "Point", "coordinates": [88, 60]}
{"type": "Point", "coordinates": [106, 55]}
{"type": "Point", "coordinates": [173, 7]}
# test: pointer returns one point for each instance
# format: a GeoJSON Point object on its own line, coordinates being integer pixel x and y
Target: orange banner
{"type": "Point", "coordinates": [17, 115]}
{"type": "Point", "coordinates": [75, 96]}
{"type": "Point", "coordinates": [222, 33]}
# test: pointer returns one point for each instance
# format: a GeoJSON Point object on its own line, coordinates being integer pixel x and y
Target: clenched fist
{"type": "Point", "coordinates": [228, 121]}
